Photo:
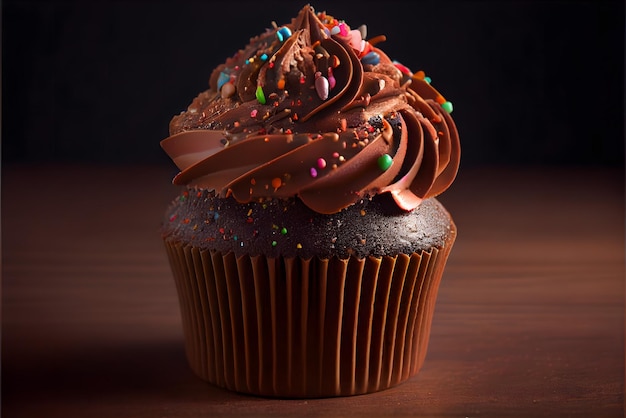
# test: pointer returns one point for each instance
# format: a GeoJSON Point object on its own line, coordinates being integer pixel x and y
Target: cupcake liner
{"type": "Point", "coordinates": [305, 328]}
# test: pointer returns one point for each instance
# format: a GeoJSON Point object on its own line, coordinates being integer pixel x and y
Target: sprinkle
{"type": "Point", "coordinates": [283, 230]}
{"type": "Point", "coordinates": [363, 31]}
{"type": "Point", "coordinates": [427, 79]}
{"type": "Point", "coordinates": [299, 246]}
{"type": "Point", "coordinates": [260, 96]}
{"type": "Point", "coordinates": [335, 30]}
{"type": "Point", "coordinates": [372, 58]}
{"type": "Point", "coordinates": [276, 182]}
{"type": "Point", "coordinates": [228, 90]}
{"type": "Point", "coordinates": [331, 79]}
{"type": "Point", "coordinates": [334, 61]}
{"type": "Point", "coordinates": [264, 57]}
{"type": "Point", "coordinates": [420, 75]}
{"type": "Point", "coordinates": [447, 106]}
{"type": "Point", "coordinates": [322, 86]}
{"type": "Point", "coordinates": [321, 163]}
{"type": "Point", "coordinates": [281, 84]}
{"type": "Point", "coordinates": [313, 172]}
{"type": "Point", "coordinates": [403, 68]}
{"type": "Point", "coordinates": [274, 243]}
{"type": "Point", "coordinates": [283, 33]}
{"type": "Point", "coordinates": [384, 162]}
{"type": "Point", "coordinates": [343, 29]}
{"type": "Point", "coordinates": [222, 79]}
{"type": "Point", "coordinates": [253, 113]}
{"type": "Point", "coordinates": [362, 212]}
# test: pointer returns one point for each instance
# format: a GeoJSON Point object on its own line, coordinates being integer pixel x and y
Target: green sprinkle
{"type": "Point", "coordinates": [274, 243]}
{"type": "Point", "coordinates": [384, 162]}
{"type": "Point", "coordinates": [260, 96]}
{"type": "Point", "coordinates": [447, 106]}
{"type": "Point", "coordinates": [427, 79]}
{"type": "Point", "coordinates": [283, 231]}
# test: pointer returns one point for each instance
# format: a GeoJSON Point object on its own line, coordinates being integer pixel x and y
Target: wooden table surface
{"type": "Point", "coordinates": [529, 320]}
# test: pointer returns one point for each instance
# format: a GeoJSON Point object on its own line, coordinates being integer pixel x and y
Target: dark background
{"type": "Point", "coordinates": [532, 82]}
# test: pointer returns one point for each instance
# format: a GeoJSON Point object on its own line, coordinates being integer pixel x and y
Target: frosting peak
{"type": "Point", "coordinates": [312, 109]}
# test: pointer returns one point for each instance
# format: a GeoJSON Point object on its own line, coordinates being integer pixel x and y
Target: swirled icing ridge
{"type": "Point", "coordinates": [312, 109]}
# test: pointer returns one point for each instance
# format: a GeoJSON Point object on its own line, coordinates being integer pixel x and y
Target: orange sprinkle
{"type": "Point", "coordinates": [439, 99]}
{"type": "Point", "coordinates": [377, 39]}
{"type": "Point", "coordinates": [420, 75]}
{"type": "Point", "coordinates": [281, 83]}
{"type": "Point", "coordinates": [276, 182]}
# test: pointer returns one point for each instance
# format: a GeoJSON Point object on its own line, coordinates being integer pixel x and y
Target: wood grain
{"type": "Point", "coordinates": [529, 321]}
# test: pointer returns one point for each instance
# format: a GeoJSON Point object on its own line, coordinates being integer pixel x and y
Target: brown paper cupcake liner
{"type": "Point", "coordinates": [304, 328]}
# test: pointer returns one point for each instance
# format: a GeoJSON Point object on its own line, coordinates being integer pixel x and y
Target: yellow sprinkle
{"type": "Point", "coordinates": [299, 246]}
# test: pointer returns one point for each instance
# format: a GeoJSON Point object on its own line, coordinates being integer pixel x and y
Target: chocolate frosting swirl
{"type": "Point", "coordinates": [311, 109]}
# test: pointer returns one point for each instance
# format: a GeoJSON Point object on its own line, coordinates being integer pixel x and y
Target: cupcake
{"type": "Point", "coordinates": [307, 245]}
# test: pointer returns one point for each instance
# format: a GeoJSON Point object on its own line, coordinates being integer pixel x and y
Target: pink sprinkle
{"type": "Point", "coordinates": [335, 155]}
{"type": "Point", "coordinates": [331, 79]}
{"type": "Point", "coordinates": [343, 29]}
{"type": "Point", "coordinates": [253, 113]}
{"type": "Point", "coordinates": [313, 172]}
{"type": "Point", "coordinates": [321, 163]}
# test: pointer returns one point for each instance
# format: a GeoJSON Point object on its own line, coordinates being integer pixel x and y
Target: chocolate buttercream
{"type": "Point", "coordinates": [313, 110]}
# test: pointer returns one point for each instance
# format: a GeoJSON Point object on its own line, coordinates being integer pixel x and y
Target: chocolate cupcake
{"type": "Point", "coordinates": [307, 245]}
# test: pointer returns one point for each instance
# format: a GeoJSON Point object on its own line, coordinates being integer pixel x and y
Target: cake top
{"type": "Point", "coordinates": [313, 109]}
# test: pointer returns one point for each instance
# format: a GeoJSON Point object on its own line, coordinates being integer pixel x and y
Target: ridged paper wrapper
{"type": "Point", "coordinates": [306, 328]}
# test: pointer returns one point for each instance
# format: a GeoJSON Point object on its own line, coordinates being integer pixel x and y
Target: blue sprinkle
{"type": "Point", "coordinates": [283, 33]}
{"type": "Point", "coordinates": [222, 79]}
{"type": "Point", "coordinates": [217, 215]}
{"type": "Point", "coordinates": [427, 79]}
{"type": "Point", "coordinates": [371, 58]}
{"type": "Point", "coordinates": [264, 57]}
